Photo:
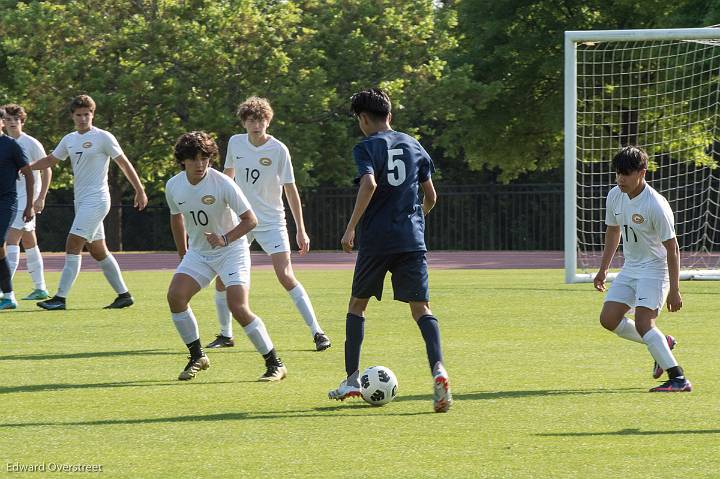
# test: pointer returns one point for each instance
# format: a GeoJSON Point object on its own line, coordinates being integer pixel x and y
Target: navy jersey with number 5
{"type": "Point", "coordinates": [393, 221]}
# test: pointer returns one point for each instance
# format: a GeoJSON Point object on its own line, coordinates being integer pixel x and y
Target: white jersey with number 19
{"type": "Point", "coordinates": [645, 221]}
{"type": "Point", "coordinates": [213, 206]}
{"type": "Point", "coordinates": [261, 171]}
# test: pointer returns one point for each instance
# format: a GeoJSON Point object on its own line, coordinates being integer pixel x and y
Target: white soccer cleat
{"type": "Point", "coordinates": [442, 397]}
{"type": "Point", "coordinates": [349, 388]}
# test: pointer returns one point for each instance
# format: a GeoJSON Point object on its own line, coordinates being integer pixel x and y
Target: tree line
{"type": "Point", "coordinates": [478, 81]}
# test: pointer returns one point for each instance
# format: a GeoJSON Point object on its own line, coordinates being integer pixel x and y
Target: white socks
{"type": "Point", "coordinates": [186, 325]}
{"type": "Point", "coordinates": [304, 306]}
{"type": "Point", "coordinates": [36, 267]}
{"type": "Point", "coordinates": [223, 314]}
{"type": "Point", "coordinates": [13, 257]}
{"type": "Point", "coordinates": [259, 336]}
{"type": "Point", "coordinates": [659, 349]}
{"type": "Point", "coordinates": [112, 273]}
{"type": "Point", "coordinates": [69, 274]}
{"type": "Point", "coordinates": [626, 330]}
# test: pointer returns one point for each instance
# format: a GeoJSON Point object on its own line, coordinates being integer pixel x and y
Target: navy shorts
{"type": "Point", "coordinates": [7, 215]}
{"type": "Point", "coordinates": [409, 276]}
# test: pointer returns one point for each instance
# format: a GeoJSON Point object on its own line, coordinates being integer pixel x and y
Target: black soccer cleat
{"type": "Point", "coordinates": [275, 370]}
{"type": "Point", "coordinates": [56, 303]}
{"type": "Point", "coordinates": [221, 342]}
{"type": "Point", "coordinates": [322, 342]}
{"type": "Point", "coordinates": [194, 366]}
{"type": "Point", "coordinates": [121, 302]}
{"type": "Point", "coordinates": [675, 385]}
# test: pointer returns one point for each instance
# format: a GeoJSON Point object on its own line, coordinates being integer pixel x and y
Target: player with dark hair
{"type": "Point", "coordinates": [21, 231]}
{"type": "Point", "coordinates": [650, 276]}
{"type": "Point", "coordinates": [90, 150]}
{"type": "Point", "coordinates": [261, 166]}
{"type": "Point", "coordinates": [392, 166]}
{"type": "Point", "coordinates": [204, 207]}
{"type": "Point", "coordinates": [12, 161]}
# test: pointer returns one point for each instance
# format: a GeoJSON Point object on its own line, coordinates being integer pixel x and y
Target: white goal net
{"type": "Point", "coordinates": [659, 90]}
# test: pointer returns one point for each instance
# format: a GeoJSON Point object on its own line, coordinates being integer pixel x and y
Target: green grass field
{"type": "Point", "coordinates": [541, 390]}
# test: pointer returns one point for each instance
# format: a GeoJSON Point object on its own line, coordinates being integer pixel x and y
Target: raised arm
{"type": "Point", "coordinates": [45, 163]}
{"type": "Point", "coordinates": [365, 193]}
{"type": "Point", "coordinates": [179, 235]}
{"type": "Point", "coordinates": [674, 299]}
{"type": "Point", "coordinates": [128, 170]}
{"type": "Point", "coordinates": [293, 198]}
{"type": "Point", "coordinates": [612, 240]}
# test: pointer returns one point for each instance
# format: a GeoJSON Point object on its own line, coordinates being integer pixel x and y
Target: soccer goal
{"type": "Point", "coordinates": [659, 90]}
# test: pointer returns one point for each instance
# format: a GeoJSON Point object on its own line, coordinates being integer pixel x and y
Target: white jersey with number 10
{"type": "Point", "coordinates": [211, 206]}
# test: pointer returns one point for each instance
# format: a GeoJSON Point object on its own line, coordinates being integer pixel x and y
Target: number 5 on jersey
{"type": "Point", "coordinates": [396, 167]}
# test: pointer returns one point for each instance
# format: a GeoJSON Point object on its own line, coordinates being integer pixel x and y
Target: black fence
{"type": "Point", "coordinates": [487, 217]}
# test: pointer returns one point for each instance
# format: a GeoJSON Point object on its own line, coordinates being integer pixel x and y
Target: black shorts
{"type": "Point", "coordinates": [409, 276]}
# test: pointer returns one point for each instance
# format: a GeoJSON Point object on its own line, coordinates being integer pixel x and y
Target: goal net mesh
{"type": "Point", "coordinates": [662, 96]}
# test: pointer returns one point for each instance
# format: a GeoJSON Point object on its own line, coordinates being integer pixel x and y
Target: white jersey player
{"type": "Point", "coordinates": [210, 210]}
{"type": "Point", "coordinates": [261, 165]}
{"type": "Point", "coordinates": [650, 276]}
{"type": "Point", "coordinates": [15, 116]}
{"type": "Point", "coordinates": [90, 150]}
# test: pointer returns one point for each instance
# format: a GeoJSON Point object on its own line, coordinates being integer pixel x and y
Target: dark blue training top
{"type": "Point", "coordinates": [394, 220]}
{"type": "Point", "coordinates": [12, 158]}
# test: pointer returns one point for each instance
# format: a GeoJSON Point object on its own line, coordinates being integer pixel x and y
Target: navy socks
{"type": "Point", "coordinates": [354, 334]}
{"type": "Point", "coordinates": [431, 334]}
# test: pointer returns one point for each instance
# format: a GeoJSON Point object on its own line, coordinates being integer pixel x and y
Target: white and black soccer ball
{"type": "Point", "coordinates": [378, 385]}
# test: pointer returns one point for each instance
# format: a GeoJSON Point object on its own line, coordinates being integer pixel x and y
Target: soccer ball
{"type": "Point", "coordinates": [378, 385]}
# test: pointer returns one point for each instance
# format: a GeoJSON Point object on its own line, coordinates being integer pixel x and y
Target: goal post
{"type": "Point", "coordinates": [659, 90]}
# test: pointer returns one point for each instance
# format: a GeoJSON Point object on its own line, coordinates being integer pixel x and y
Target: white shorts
{"type": "Point", "coordinates": [271, 241]}
{"type": "Point", "coordinates": [648, 293]}
{"type": "Point", "coordinates": [89, 216]}
{"type": "Point", "coordinates": [18, 223]}
{"type": "Point", "coordinates": [233, 267]}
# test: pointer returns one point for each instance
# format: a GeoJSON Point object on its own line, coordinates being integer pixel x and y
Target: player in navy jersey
{"type": "Point", "coordinates": [392, 166]}
{"type": "Point", "coordinates": [12, 161]}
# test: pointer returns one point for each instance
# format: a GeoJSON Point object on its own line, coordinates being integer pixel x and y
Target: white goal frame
{"type": "Point", "coordinates": [572, 38]}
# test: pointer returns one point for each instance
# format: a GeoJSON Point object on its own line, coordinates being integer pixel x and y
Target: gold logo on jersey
{"type": "Point", "coordinates": [208, 199]}
{"type": "Point", "coordinates": [638, 219]}
{"type": "Point", "coordinates": [87, 144]}
{"type": "Point", "coordinates": [265, 161]}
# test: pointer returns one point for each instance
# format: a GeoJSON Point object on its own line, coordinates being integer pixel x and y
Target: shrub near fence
{"type": "Point", "coordinates": [481, 217]}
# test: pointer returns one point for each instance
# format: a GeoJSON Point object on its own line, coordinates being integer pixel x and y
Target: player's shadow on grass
{"type": "Point", "coordinates": [103, 354]}
{"type": "Point", "coordinates": [30, 388]}
{"type": "Point", "coordinates": [486, 395]}
{"type": "Point", "coordinates": [630, 432]}
{"type": "Point", "coordinates": [232, 416]}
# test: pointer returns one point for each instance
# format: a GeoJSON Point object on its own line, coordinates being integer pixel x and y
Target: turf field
{"type": "Point", "coordinates": [541, 390]}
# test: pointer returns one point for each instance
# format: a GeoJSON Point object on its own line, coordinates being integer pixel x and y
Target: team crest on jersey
{"type": "Point", "coordinates": [638, 219]}
{"type": "Point", "coordinates": [87, 144]}
{"type": "Point", "coordinates": [265, 161]}
{"type": "Point", "coordinates": [208, 199]}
